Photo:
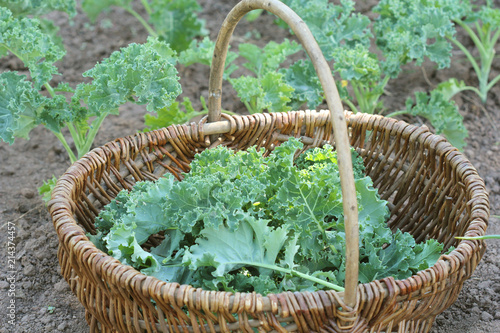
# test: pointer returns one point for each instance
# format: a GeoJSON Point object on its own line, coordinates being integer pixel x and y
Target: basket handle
{"type": "Point", "coordinates": [334, 104]}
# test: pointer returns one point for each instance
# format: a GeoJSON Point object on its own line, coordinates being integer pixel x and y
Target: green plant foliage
{"type": "Point", "coordinates": [202, 52]}
{"type": "Point", "coordinates": [412, 30]}
{"type": "Point", "coordinates": [307, 89]}
{"type": "Point", "coordinates": [442, 113]}
{"type": "Point", "coordinates": [171, 115]}
{"type": "Point", "coordinates": [46, 189]}
{"type": "Point", "coordinates": [269, 92]}
{"type": "Point", "coordinates": [24, 38]}
{"type": "Point", "coordinates": [94, 7]}
{"type": "Point", "coordinates": [173, 21]}
{"type": "Point", "coordinates": [22, 108]}
{"type": "Point", "coordinates": [244, 221]}
{"type": "Point", "coordinates": [38, 7]}
{"type": "Point", "coordinates": [332, 25]}
{"type": "Point", "coordinates": [176, 22]}
{"type": "Point", "coordinates": [143, 74]}
{"type": "Point", "coordinates": [361, 68]}
{"type": "Point", "coordinates": [486, 23]}
{"type": "Point", "coordinates": [268, 59]}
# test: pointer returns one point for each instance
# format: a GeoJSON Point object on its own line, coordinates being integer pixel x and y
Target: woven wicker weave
{"type": "Point", "coordinates": [432, 189]}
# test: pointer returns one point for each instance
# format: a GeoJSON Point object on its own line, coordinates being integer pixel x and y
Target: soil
{"type": "Point", "coordinates": [43, 301]}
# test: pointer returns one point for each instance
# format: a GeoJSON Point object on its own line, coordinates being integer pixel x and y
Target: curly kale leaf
{"type": "Point", "coordinates": [37, 7]}
{"type": "Point", "coordinates": [94, 7]}
{"type": "Point", "coordinates": [217, 191]}
{"type": "Point", "coordinates": [202, 52]}
{"type": "Point", "coordinates": [357, 64]}
{"type": "Point", "coordinates": [22, 108]}
{"type": "Point", "coordinates": [442, 113]}
{"type": "Point", "coordinates": [244, 219]}
{"type": "Point", "coordinates": [307, 88]}
{"type": "Point", "coordinates": [131, 219]}
{"type": "Point", "coordinates": [253, 243]}
{"type": "Point", "coordinates": [139, 73]}
{"type": "Point", "coordinates": [333, 25]}
{"type": "Point", "coordinates": [176, 22]}
{"type": "Point", "coordinates": [412, 30]}
{"type": "Point", "coordinates": [269, 92]}
{"type": "Point", "coordinates": [268, 59]}
{"type": "Point", "coordinates": [19, 105]}
{"type": "Point", "coordinates": [25, 39]}
{"type": "Point", "coordinates": [173, 114]}
{"type": "Point", "coordinates": [401, 259]}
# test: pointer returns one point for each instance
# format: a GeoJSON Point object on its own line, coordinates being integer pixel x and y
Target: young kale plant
{"type": "Point", "coordinates": [269, 87]}
{"type": "Point", "coordinates": [410, 32]}
{"type": "Point", "coordinates": [35, 8]}
{"type": "Point", "coordinates": [173, 21]}
{"type": "Point", "coordinates": [267, 90]}
{"type": "Point", "coordinates": [405, 32]}
{"type": "Point", "coordinates": [142, 74]}
{"type": "Point", "coordinates": [180, 113]}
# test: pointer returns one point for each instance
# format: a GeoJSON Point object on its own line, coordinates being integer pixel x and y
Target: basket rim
{"type": "Point", "coordinates": [71, 234]}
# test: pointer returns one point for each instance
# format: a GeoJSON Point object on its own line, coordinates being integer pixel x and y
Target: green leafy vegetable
{"type": "Point", "coordinates": [442, 113]}
{"type": "Point", "coordinates": [176, 22]}
{"type": "Point", "coordinates": [202, 52]}
{"type": "Point", "coordinates": [403, 32]}
{"type": "Point", "coordinates": [361, 68]}
{"type": "Point", "coordinates": [24, 38]}
{"type": "Point", "coordinates": [37, 7]}
{"type": "Point", "coordinates": [173, 21]}
{"type": "Point", "coordinates": [173, 114]}
{"type": "Point", "coordinates": [268, 89]}
{"type": "Point", "coordinates": [412, 30]}
{"type": "Point", "coordinates": [268, 92]}
{"type": "Point", "coordinates": [333, 25]}
{"type": "Point", "coordinates": [46, 189]}
{"type": "Point", "coordinates": [143, 74]}
{"type": "Point", "coordinates": [94, 7]}
{"type": "Point", "coordinates": [302, 77]}
{"type": "Point", "coordinates": [244, 221]}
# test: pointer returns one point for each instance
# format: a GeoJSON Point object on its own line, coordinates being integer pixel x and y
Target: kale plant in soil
{"type": "Point", "coordinates": [140, 73]}
{"type": "Point", "coordinates": [404, 32]}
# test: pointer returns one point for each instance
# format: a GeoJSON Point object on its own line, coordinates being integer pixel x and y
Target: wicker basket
{"type": "Point", "coordinates": [433, 192]}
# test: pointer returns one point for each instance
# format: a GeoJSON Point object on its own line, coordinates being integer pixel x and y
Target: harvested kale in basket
{"type": "Point", "coordinates": [248, 222]}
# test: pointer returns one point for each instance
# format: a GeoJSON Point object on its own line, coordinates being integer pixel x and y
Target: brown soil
{"type": "Point", "coordinates": [44, 302]}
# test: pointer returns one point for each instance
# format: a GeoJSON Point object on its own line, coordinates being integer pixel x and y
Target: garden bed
{"type": "Point", "coordinates": [44, 302]}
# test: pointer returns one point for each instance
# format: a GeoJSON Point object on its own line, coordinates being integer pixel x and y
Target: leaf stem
{"type": "Point", "coordinates": [50, 89]}
{"type": "Point", "coordinates": [147, 7]}
{"type": "Point", "coordinates": [94, 128]}
{"type": "Point", "coordinates": [61, 138]}
{"type": "Point", "coordinates": [480, 237]}
{"type": "Point", "coordinates": [351, 105]}
{"type": "Point", "coordinates": [396, 113]}
{"type": "Point", "coordinates": [293, 272]}
{"type": "Point", "coordinates": [75, 134]}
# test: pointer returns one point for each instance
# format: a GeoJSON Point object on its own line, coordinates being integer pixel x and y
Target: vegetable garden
{"type": "Point", "coordinates": [442, 74]}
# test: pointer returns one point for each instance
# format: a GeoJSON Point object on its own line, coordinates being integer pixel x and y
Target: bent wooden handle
{"type": "Point", "coordinates": [333, 100]}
